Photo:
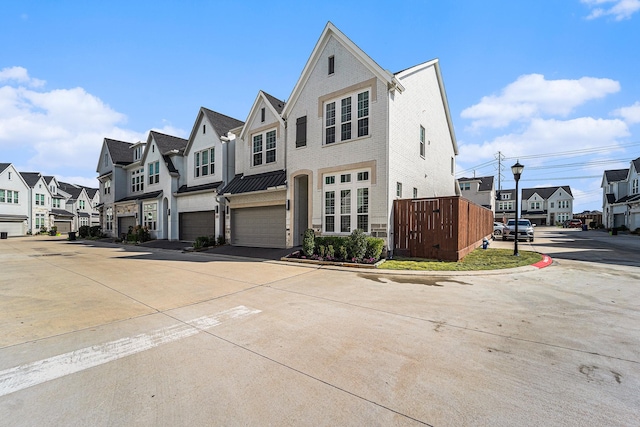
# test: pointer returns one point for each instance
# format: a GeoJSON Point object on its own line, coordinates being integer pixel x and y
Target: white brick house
{"type": "Point", "coordinates": [39, 201]}
{"type": "Point", "coordinates": [621, 197]}
{"type": "Point", "coordinates": [359, 137]}
{"type": "Point", "coordinates": [547, 205]}
{"type": "Point", "coordinates": [14, 206]}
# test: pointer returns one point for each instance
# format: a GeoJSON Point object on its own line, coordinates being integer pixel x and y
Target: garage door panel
{"type": "Point", "coordinates": [125, 222]}
{"type": "Point", "coordinates": [63, 226]}
{"type": "Point", "coordinates": [262, 227]}
{"type": "Point", "coordinates": [12, 228]}
{"type": "Point", "coordinates": [197, 224]}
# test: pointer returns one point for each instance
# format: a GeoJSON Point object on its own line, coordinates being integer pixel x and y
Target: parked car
{"type": "Point", "coordinates": [525, 230]}
{"type": "Point", "coordinates": [497, 228]}
{"type": "Point", "coordinates": [575, 223]}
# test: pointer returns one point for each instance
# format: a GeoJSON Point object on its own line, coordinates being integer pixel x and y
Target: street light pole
{"type": "Point", "coordinates": [517, 171]}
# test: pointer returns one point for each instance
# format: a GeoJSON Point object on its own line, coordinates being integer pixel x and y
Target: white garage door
{"type": "Point", "coordinates": [12, 228]}
{"type": "Point", "coordinates": [262, 227]}
{"type": "Point", "coordinates": [197, 224]}
{"type": "Point", "coordinates": [63, 226]}
{"type": "Point", "coordinates": [124, 223]}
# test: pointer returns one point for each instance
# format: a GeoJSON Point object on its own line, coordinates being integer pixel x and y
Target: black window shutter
{"type": "Point", "coordinates": [301, 131]}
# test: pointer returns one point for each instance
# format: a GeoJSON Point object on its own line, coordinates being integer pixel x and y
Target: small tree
{"type": "Point", "coordinates": [308, 242]}
{"type": "Point", "coordinates": [357, 244]}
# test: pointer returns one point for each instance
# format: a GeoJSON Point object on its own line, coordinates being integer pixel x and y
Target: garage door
{"type": "Point", "coordinates": [12, 228]}
{"type": "Point", "coordinates": [63, 226]}
{"type": "Point", "coordinates": [262, 227]}
{"type": "Point", "coordinates": [197, 224]}
{"type": "Point", "coordinates": [124, 223]}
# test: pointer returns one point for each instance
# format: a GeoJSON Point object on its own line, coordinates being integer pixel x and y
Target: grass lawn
{"type": "Point", "coordinates": [480, 259]}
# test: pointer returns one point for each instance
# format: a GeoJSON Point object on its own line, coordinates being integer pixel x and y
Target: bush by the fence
{"type": "Point", "coordinates": [357, 247]}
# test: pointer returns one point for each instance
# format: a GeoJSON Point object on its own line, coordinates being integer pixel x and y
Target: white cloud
{"type": "Point", "coordinates": [19, 75]}
{"type": "Point", "coordinates": [619, 9]}
{"type": "Point", "coordinates": [630, 114]}
{"type": "Point", "coordinates": [533, 96]}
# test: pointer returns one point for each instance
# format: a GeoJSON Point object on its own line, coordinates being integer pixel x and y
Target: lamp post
{"type": "Point", "coordinates": [517, 171]}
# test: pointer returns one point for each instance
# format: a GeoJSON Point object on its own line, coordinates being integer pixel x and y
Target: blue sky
{"type": "Point", "coordinates": [553, 83]}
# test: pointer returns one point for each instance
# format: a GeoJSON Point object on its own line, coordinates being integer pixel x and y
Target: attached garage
{"type": "Point", "coordinates": [124, 222]}
{"type": "Point", "coordinates": [12, 228]}
{"type": "Point", "coordinates": [263, 227]}
{"type": "Point", "coordinates": [197, 224]}
{"type": "Point", "coordinates": [63, 226]}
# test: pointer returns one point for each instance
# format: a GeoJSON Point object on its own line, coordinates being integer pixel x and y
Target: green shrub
{"type": "Point", "coordinates": [322, 250]}
{"type": "Point", "coordinates": [357, 244]}
{"type": "Point", "coordinates": [342, 253]}
{"type": "Point", "coordinates": [201, 242]}
{"type": "Point", "coordinates": [221, 240]}
{"type": "Point", "coordinates": [95, 231]}
{"type": "Point", "coordinates": [83, 231]}
{"type": "Point", "coordinates": [331, 253]}
{"type": "Point", "coordinates": [308, 242]}
{"type": "Point", "coordinates": [374, 248]}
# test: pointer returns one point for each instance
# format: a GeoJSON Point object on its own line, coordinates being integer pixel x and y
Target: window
{"type": "Point", "coordinates": [56, 203]}
{"type": "Point", "coordinates": [154, 172]}
{"type": "Point", "coordinates": [81, 204]}
{"type": "Point", "coordinates": [331, 65]}
{"type": "Point", "coordinates": [137, 153]}
{"type": "Point", "coordinates": [137, 180]}
{"type": "Point", "coordinates": [346, 118]}
{"type": "Point", "coordinates": [109, 219]}
{"type": "Point", "coordinates": [39, 220]}
{"type": "Point", "coordinates": [465, 186]}
{"type": "Point", "coordinates": [105, 160]}
{"type": "Point", "coordinates": [204, 129]}
{"type": "Point", "coordinates": [301, 131]}
{"type": "Point", "coordinates": [346, 203]}
{"type": "Point", "coordinates": [9, 196]}
{"type": "Point", "coordinates": [415, 193]}
{"type": "Point", "coordinates": [264, 152]}
{"type": "Point", "coordinates": [453, 166]}
{"type": "Point", "coordinates": [422, 141]}
{"type": "Point", "coordinates": [563, 204]}
{"type": "Point", "coordinates": [399, 189]}
{"type": "Point", "coordinates": [150, 215]}
{"type": "Point", "coordinates": [40, 199]}
{"type": "Point", "coordinates": [551, 205]}
{"type": "Point", "coordinates": [535, 206]}
{"type": "Point", "coordinates": [506, 196]}
{"type": "Point", "coordinates": [9, 176]}
{"type": "Point", "coordinates": [262, 114]}
{"type": "Point", "coordinates": [205, 162]}
{"type": "Point", "coordinates": [505, 206]}
{"type": "Point", "coordinates": [2, 196]}
{"type": "Point", "coordinates": [84, 221]}
{"type": "Point", "coordinates": [634, 186]}
{"type": "Point", "coordinates": [107, 187]}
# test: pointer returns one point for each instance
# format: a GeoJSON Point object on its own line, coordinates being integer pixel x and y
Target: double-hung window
{"type": "Point", "coordinates": [205, 162]}
{"type": "Point", "coordinates": [264, 148]}
{"type": "Point", "coordinates": [345, 118]}
{"type": "Point", "coordinates": [150, 215]}
{"type": "Point", "coordinates": [81, 204]}
{"type": "Point", "coordinates": [422, 141]}
{"type": "Point", "coordinates": [56, 203]}
{"type": "Point", "coordinates": [109, 219]}
{"type": "Point", "coordinates": [154, 172]}
{"type": "Point", "coordinates": [137, 180]}
{"type": "Point", "coordinates": [107, 187]}
{"type": "Point", "coordinates": [40, 199]}
{"type": "Point", "coordinates": [634, 186]}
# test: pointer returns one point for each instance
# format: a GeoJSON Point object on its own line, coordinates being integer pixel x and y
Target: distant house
{"type": "Point", "coordinates": [547, 205]}
{"type": "Point", "coordinates": [14, 206]}
{"type": "Point", "coordinates": [505, 205]}
{"type": "Point", "coordinates": [480, 191]}
{"type": "Point", "coordinates": [39, 201]}
{"type": "Point", "coordinates": [621, 197]}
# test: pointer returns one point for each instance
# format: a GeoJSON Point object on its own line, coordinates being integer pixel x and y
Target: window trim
{"type": "Point", "coordinates": [154, 175]}
{"type": "Point", "coordinates": [338, 126]}
{"type": "Point", "coordinates": [265, 151]}
{"type": "Point", "coordinates": [331, 65]}
{"type": "Point", "coordinates": [423, 148]}
{"type": "Point", "coordinates": [346, 203]}
{"type": "Point", "coordinates": [198, 162]}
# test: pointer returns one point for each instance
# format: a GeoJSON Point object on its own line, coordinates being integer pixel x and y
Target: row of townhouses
{"type": "Point", "coordinates": [351, 138]}
{"type": "Point", "coordinates": [621, 197]}
{"type": "Point", "coordinates": [542, 206]}
{"type": "Point", "coordinates": [31, 202]}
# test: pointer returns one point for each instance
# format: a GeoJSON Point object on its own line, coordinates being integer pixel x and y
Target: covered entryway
{"type": "Point", "coordinates": [124, 222]}
{"type": "Point", "coordinates": [263, 227]}
{"type": "Point", "coordinates": [63, 226]}
{"type": "Point", "coordinates": [197, 224]}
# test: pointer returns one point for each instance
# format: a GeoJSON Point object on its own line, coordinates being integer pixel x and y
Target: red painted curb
{"type": "Point", "coordinates": [546, 261]}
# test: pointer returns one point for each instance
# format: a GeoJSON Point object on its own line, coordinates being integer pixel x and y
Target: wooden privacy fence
{"type": "Point", "coordinates": [443, 228]}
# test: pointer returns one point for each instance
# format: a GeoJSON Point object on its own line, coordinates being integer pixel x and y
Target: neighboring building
{"type": "Point", "coordinates": [209, 159]}
{"type": "Point", "coordinates": [480, 191]}
{"type": "Point", "coordinates": [38, 201]}
{"type": "Point", "coordinates": [589, 217]}
{"type": "Point", "coordinates": [505, 205]}
{"type": "Point", "coordinates": [257, 194]}
{"type": "Point", "coordinates": [14, 205]}
{"type": "Point", "coordinates": [547, 205]}
{"type": "Point", "coordinates": [357, 137]}
{"type": "Point", "coordinates": [78, 203]}
{"type": "Point", "coordinates": [621, 197]}
{"type": "Point", "coordinates": [93, 194]}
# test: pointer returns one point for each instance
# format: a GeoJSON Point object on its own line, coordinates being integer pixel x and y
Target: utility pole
{"type": "Point", "coordinates": [500, 157]}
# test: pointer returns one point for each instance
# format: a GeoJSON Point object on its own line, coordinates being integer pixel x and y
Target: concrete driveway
{"type": "Point", "coordinates": [95, 335]}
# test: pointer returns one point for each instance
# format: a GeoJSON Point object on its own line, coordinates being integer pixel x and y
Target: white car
{"type": "Point", "coordinates": [498, 228]}
{"type": "Point", "coordinates": [525, 230]}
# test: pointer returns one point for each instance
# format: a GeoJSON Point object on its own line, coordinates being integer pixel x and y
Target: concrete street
{"type": "Point", "coordinates": [95, 334]}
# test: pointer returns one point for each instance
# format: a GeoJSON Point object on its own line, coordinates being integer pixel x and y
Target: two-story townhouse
{"type": "Point", "coordinates": [39, 202]}
{"type": "Point", "coordinates": [14, 206]}
{"type": "Point", "coordinates": [547, 205]}
{"type": "Point", "coordinates": [621, 197]}
{"type": "Point", "coordinates": [78, 203]}
{"type": "Point", "coordinates": [257, 196]}
{"type": "Point", "coordinates": [162, 166]}
{"type": "Point", "coordinates": [505, 205]}
{"type": "Point", "coordinates": [480, 191]}
{"type": "Point", "coordinates": [62, 219]}
{"type": "Point", "coordinates": [113, 177]}
{"type": "Point", "coordinates": [93, 194]}
{"type": "Point", "coordinates": [209, 158]}
{"type": "Point", "coordinates": [363, 136]}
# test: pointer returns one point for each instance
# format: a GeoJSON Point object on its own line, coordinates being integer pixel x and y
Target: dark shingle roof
{"type": "Point", "coordinates": [203, 187]}
{"type": "Point", "coordinates": [31, 178]}
{"type": "Point", "coordinates": [168, 143]}
{"type": "Point", "coordinates": [486, 182]}
{"type": "Point", "coordinates": [616, 175]}
{"type": "Point", "coordinates": [61, 213]}
{"type": "Point", "coordinates": [145, 196]}
{"type": "Point", "coordinates": [260, 182]}
{"type": "Point", "coordinates": [278, 105]}
{"type": "Point", "coordinates": [544, 192]}
{"type": "Point", "coordinates": [120, 151]}
{"type": "Point", "coordinates": [3, 166]}
{"type": "Point", "coordinates": [221, 123]}
{"type": "Point", "coordinates": [91, 192]}
{"type": "Point", "coordinates": [72, 189]}
{"type": "Point", "coordinates": [170, 166]}
{"type": "Point", "coordinates": [636, 164]}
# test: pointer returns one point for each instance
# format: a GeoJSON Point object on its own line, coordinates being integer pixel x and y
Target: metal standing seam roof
{"type": "Point", "coordinates": [61, 213]}
{"type": "Point", "coordinates": [211, 186]}
{"type": "Point", "coordinates": [251, 183]}
{"type": "Point", "coordinates": [221, 123]}
{"type": "Point", "coordinates": [144, 196]}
